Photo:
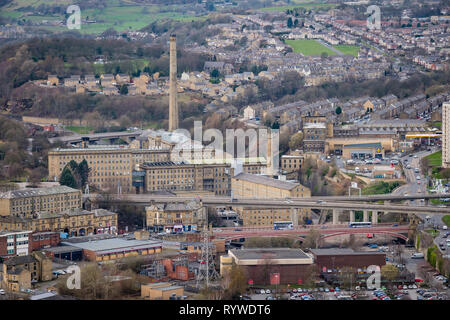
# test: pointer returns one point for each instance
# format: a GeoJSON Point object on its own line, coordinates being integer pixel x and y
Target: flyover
{"type": "Point", "coordinates": [138, 198]}
{"type": "Point", "coordinates": [309, 203]}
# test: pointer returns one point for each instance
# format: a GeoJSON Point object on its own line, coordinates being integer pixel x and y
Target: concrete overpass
{"type": "Point", "coordinates": [323, 203]}
{"type": "Point", "coordinates": [140, 198]}
{"type": "Point", "coordinates": [77, 138]}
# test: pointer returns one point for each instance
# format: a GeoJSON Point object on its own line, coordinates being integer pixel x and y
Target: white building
{"type": "Point", "coordinates": [446, 134]}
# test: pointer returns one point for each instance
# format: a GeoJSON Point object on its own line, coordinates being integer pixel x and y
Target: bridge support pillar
{"type": "Point", "coordinates": [374, 217]}
{"type": "Point", "coordinates": [365, 216]}
{"type": "Point", "coordinates": [336, 213]}
{"type": "Point", "coordinates": [352, 215]}
{"type": "Point", "coordinates": [294, 216]}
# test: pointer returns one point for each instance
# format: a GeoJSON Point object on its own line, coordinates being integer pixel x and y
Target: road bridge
{"type": "Point", "coordinates": [300, 233]}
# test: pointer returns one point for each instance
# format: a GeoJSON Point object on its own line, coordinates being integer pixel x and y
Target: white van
{"type": "Point", "coordinates": [417, 255]}
{"type": "Point", "coordinates": [357, 169]}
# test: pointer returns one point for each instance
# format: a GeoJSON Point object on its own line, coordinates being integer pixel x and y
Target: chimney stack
{"type": "Point", "coordinates": [173, 104]}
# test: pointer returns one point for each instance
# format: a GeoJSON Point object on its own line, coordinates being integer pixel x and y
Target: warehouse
{"type": "Point", "coordinates": [271, 266]}
{"type": "Point", "coordinates": [115, 248]}
{"type": "Point", "coordinates": [338, 258]}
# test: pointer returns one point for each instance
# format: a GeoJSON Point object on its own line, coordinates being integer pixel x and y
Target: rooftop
{"type": "Point", "coordinates": [272, 253]}
{"type": "Point", "coordinates": [115, 244]}
{"type": "Point", "coordinates": [343, 251]}
{"type": "Point", "coordinates": [259, 179]}
{"type": "Point", "coordinates": [36, 192]}
{"type": "Point", "coordinates": [364, 145]}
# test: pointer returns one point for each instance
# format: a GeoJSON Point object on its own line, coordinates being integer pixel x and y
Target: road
{"type": "Point", "coordinates": [248, 232]}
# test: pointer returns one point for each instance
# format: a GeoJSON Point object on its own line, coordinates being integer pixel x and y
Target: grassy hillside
{"type": "Point", "coordinates": [120, 15]}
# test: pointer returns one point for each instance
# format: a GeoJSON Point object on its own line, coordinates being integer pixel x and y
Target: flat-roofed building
{"type": "Point", "coordinates": [160, 291]}
{"type": "Point", "coordinates": [338, 258]}
{"type": "Point", "coordinates": [271, 266]}
{"type": "Point", "coordinates": [115, 248]}
{"type": "Point", "coordinates": [446, 134]}
{"type": "Point", "coordinates": [15, 243]}
{"type": "Point", "coordinates": [363, 151]}
{"type": "Point", "coordinates": [26, 202]}
{"type": "Point", "coordinates": [291, 163]}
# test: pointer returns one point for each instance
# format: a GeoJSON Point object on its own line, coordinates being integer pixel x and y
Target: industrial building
{"type": "Point", "coordinates": [114, 248]}
{"type": "Point", "coordinates": [270, 266]}
{"type": "Point", "coordinates": [338, 258]}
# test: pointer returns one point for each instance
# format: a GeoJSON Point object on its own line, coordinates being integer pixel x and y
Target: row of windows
{"type": "Point", "coordinates": [43, 200]}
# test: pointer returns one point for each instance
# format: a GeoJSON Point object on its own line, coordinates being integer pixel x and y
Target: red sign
{"type": "Point", "coordinates": [250, 282]}
{"type": "Point", "coordinates": [299, 281]}
{"type": "Point", "coordinates": [324, 269]}
{"type": "Point", "coordinates": [275, 278]}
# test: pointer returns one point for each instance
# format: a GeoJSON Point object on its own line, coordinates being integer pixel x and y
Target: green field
{"type": "Point", "coordinates": [381, 187]}
{"type": "Point", "coordinates": [347, 49]}
{"type": "Point", "coordinates": [435, 159]}
{"type": "Point", "coordinates": [446, 219]}
{"type": "Point", "coordinates": [79, 129]}
{"type": "Point", "coordinates": [118, 16]}
{"type": "Point", "coordinates": [309, 47]}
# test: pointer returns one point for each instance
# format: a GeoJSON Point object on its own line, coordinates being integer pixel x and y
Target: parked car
{"type": "Point", "coordinates": [417, 255]}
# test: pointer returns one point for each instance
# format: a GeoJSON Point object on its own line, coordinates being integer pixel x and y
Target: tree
{"type": "Point", "coordinates": [215, 73]}
{"type": "Point", "coordinates": [83, 171]}
{"type": "Point", "coordinates": [36, 175]}
{"type": "Point", "coordinates": [290, 23]}
{"type": "Point", "coordinates": [296, 141]}
{"type": "Point", "coordinates": [389, 272]}
{"type": "Point", "coordinates": [338, 110]}
{"type": "Point", "coordinates": [324, 55]}
{"type": "Point", "coordinates": [123, 89]}
{"type": "Point", "coordinates": [312, 239]}
{"type": "Point", "coordinates": [235, 282]}
{"type": "Point", "coordinates": [67, 179]}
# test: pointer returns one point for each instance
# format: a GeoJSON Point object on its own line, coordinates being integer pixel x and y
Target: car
{"type": "Point", "coordinates": [327, 290]}
{"type": "Point", "coordinates": [268, 291]}
{"type": "Point", "coordinates": [395, 225]}
{"type": "Point", "coordinates": [263, 291]}
{"type": "Point", "coordinates": [444, 227]}
{"type": "Point", "coordinates": [294, 290]}
{"type": "Point", "coordinates": [418, 181]}
{"type": "Point", "coordinates": [417, 255]}
{"type": "Point", "coordinates": [2, 292]}
{"type": "Point", "coordinates": [415, 156]}
{"type": "Point", "coordinates": [237, 229]}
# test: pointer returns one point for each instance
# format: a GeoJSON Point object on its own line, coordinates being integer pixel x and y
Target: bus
{"type": "Point", "coordinates": [360, 224]}
{"type": "Point", "coordinates": [283, 225]}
